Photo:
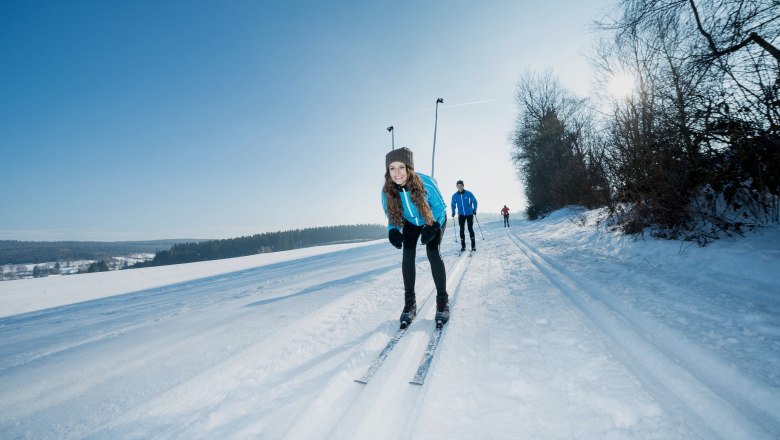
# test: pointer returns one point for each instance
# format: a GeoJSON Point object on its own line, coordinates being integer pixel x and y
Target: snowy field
{"type": "Point", "coordinates": [559, 330]}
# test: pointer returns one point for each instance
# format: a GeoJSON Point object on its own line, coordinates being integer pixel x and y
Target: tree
{"type": "Point", "coordinates": [553, 152]}
{"type": "Point", "coordinates": [40, 271]}
{"type": "Point", "coordinates": [696, 149]}
{"type": "Point", "coordinates": [98, 266]}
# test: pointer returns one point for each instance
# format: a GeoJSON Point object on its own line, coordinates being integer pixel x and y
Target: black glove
{"type": "Point", "coordinates": [396, 238]}
{"type": "Point", "coordinates": [428, 233]}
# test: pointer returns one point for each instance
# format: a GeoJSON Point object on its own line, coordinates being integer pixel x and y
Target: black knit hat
{"type": "Point", "coordinates": [403, 155]}
{"type": "Point", "coordinates": [459, 182]}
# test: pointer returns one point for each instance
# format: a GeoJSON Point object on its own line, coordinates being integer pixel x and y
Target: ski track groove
{"type": "Point", "coordinates": [253, 382]}
{"type": "Point", "coordinates": [391, 381]}
{"type": "Point", "coordinates": [413, 429]}
{"type": "Point", "coordinates": [169, 299]}
{"type": "Point", "coordinates": [197, 375]}
{"type": "Point", "coordinates": [713, 399]}
{"type": "Point", "coordinates": [279, 384]}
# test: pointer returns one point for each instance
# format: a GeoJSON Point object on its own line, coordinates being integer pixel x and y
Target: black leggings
{"type": "Point", "coordinates": [462, 219]}
{"type": "Point", "coordinates": [411, 235]}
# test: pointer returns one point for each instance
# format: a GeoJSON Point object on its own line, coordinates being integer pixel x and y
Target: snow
{"type": "Point", "coordinates": [21, 296]}
{"type": "Point", "coordinates": [560, 329]}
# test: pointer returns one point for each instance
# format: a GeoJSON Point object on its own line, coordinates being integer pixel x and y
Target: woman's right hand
{"type": "Point", "coordinates": [396, 238]}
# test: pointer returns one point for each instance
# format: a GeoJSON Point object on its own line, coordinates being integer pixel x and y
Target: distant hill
{"type": "Point", "coordinates": [33, 252]}
{"type": "Point", "coordinates": [263, 243]}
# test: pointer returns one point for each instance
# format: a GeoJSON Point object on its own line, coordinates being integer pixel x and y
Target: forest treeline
{"type": "Point", "coordinates": [692, 150]}
{"type": "Point", "coordinates": [263, 243]}
{"type": "Point", "coordinates": [34, 252]}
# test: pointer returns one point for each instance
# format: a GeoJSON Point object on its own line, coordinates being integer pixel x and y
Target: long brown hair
{"type": "Point", "coordinates": [395, 212]}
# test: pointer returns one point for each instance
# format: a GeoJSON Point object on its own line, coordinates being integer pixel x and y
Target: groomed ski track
{"type": "Point", "coordinates": [366, 416]}
{"type": "Point", "coordinates": [680, 374]}
{"type": "Point", "coordinates": [533, 349]}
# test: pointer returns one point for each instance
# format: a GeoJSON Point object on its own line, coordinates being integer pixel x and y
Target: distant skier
{"type": "Point", "coordinates": [415, 209]}
{"type": "Point", "coordinates": [505, 213]}
{"type": "Point", "coordinates": [466, 205]}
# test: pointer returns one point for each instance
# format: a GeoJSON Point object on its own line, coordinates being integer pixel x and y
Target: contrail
{"type": "Point", "coordinates": [461, 105]}
{"type": "Point", "coordinates": [471, 103]}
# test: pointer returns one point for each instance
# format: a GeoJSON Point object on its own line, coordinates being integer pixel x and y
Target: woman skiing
{"type": "Point", "coordinates": [415, 210]}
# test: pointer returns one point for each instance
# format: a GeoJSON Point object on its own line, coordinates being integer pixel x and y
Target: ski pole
{"type": "Point", "coordinates": [480, 227]}
{"type": "Point", "coordinates": [454, 234]}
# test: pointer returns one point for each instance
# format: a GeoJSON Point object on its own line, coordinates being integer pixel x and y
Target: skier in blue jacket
{"type": "Point", "coordinates": [466, 205]}
{"type": "Point", "coordinates": [415, 210]}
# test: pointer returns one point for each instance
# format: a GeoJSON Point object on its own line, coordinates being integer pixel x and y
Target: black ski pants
{"type": "Point", "coordinates": [506, 220]}
{"type": "Point", "coordinates": [408, 267]}
{"type": "Point", "coordinates": [462, 220]}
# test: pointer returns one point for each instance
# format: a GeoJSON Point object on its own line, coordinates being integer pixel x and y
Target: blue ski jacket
{"type": "Point", "coordinates": [411, 212]}
{"type": "Point", "coordinates": [465, 202]}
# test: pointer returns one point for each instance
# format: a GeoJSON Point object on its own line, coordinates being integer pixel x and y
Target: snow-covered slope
{"type": "Point", "coordinates": [21, 296]}
{"type": "Point", "coordinates": [558, 331]}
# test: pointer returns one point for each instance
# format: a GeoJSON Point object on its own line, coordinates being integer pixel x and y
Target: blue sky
{"type": "Point", "coordinates": [203, 119]}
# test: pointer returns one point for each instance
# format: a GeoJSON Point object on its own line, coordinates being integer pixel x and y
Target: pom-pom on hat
{"type": "Point", "coordinates": [403, 155]}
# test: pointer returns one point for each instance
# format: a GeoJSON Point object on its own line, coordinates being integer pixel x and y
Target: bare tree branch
{"type": "Point", "coordinates": [716, 53]}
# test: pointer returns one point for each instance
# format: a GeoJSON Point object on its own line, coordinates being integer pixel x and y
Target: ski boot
{"type": "Point", "coordinates": [442, 312]}
{"type": "Point", "coordinates": [408, 314]}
